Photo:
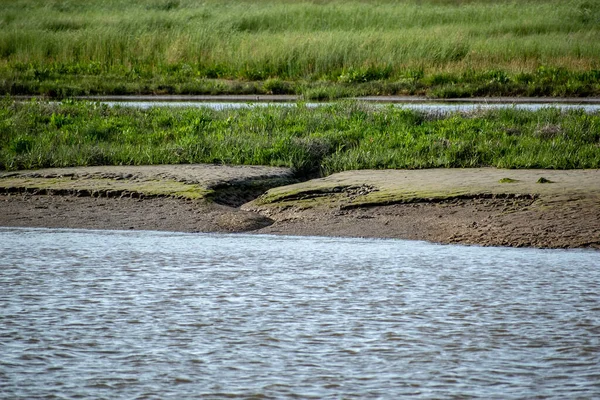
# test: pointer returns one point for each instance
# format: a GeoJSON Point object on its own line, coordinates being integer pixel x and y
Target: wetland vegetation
{"type": "Point", "coordinates": [321, 49]}
{"type": "Point", "coordinates": [312, 141]}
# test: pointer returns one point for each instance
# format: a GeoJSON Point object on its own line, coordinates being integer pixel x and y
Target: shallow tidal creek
{"type": "Point", "coordinates": [138, 314]}
{"type": "Point", "coordinates": [427, 107]}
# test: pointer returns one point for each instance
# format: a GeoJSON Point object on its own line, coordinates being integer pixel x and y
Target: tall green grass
{"type": "Point", "coordinates": [312, 141]}
{"type": "Point", "coordinates": [438, 47]}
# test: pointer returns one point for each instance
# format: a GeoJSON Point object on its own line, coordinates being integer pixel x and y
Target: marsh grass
{"type": "Point", "coordinates": [312, 141]}
{"type": "Point", "coordinates": [323, 49]}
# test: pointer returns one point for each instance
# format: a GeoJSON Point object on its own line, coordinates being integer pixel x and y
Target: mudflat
{"type": "Point", "coordinates": [483, 206]}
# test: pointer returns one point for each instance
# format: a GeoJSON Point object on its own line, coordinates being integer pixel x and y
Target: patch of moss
{"type": "Point", "coordinates": [344, 197]}
{"type": "Point", "coordinates": [108, 187]}
{"type": "Point", "coordinates": [544, 180]}
{"type": "Point", "coordinates": [390, 197]}
{"type": "Point", "coordinates": [317, 196]}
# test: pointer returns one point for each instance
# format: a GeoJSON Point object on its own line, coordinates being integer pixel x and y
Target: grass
{"type": "Point", "coordinates": [321, 49]}
{"type": "Point", "coordinates": [312, 141]}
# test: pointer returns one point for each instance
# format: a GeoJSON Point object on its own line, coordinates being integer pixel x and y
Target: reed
{"type": "Point", "coordinates": [312, 141]}
{"type": "Point", "coordinates": [325, 48]}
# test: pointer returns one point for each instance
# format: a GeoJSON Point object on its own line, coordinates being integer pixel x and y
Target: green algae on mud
{"type": "Point", "coordinates": [98, 187]}
{"type": "Point", "coordinates": [467, 206]}
{"type": "Point", "coordinates": [368, 188]}
{"type": "Point", "coordinates": [206, 184]}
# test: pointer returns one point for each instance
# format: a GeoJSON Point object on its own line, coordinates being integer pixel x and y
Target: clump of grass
{"type": "Point", "coordinates": [544, 180]}
{"type": "Point", "coordinates": [508, 180]}
{"type": "Point", "coordinates": [548, 131]}
{"type": "Point", "coordinates": [321, 140]}
{"type": "Point", "coordinates": [277, 86]}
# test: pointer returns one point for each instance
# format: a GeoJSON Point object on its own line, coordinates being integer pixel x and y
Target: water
{"type": "Point", "coordinates": [99, 314]}
{"type": "Point", "coordinates": [437, 107]}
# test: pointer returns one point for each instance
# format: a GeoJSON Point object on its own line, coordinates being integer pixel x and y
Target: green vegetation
{"type": "Point", "coordinates": [508, 180]}
{"type": "Point", "coordinates": [322, 140]}
{"type": "Point", "coordinates": [544, 180]}
{"type": "Point", "coordinates": [319, 48]}
{"type": "Point", "coordinates": [99, 187]}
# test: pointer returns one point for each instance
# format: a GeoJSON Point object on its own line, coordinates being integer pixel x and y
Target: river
{"type": "Point", "coordinates": [143, 315]}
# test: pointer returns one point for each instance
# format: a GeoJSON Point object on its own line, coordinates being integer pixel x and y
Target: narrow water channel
{"type": "Point", "coordinates": [437, 107]}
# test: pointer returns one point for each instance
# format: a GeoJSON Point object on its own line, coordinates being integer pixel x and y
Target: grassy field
{"type": "Point", "coordinates": [320, 48]}
{"type": "Point", "coordinates": [322, 140]}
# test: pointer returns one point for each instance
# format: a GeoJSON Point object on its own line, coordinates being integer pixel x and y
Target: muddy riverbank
{"type": "Point", "coordinates": [532, 208]}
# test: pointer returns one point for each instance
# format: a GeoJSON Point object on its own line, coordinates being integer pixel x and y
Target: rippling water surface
{"type": "Point", "coordinates": [99, 314]}
{"type": "Point", "coordinates": [437, 107]}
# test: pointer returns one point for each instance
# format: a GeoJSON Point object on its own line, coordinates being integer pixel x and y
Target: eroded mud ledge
{"type": "Point", "coordinates": [483, 206]}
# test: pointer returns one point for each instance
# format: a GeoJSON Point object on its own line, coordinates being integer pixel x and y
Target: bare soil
{"type": "Point", "coordinates": [573, 223]}
{"type": "Point", "coordinates": [122, 213]}
{"type": "Point", "coordinates": [484, 206]}
{"type": "Point", "coordinates": [446, 206]}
